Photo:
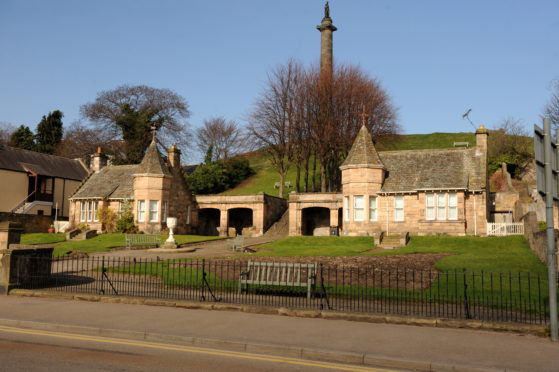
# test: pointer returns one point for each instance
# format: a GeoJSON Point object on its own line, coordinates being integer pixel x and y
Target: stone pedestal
{"type": "Point", "coordinates": [24, 266]}
{"type": "Point", "coordinates": [10, 233]}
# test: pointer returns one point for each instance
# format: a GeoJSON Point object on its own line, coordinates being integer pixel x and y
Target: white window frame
{"type": "Point", "coordinates": [141, 210]}
{"type": "Point", "coordinates": [153, 211]}
{"type": "Point", "coordinates": [430, 211]}
{"type": "Point", "coordinates": [346, 208]}
{"type": "Point", "coordinates": [373, 208]}
{"type": "Point", "coordinates": [188, 212]}
{"type": "Point", "coordinates": [89, 210]}
{"type": "Point", "coordinates": [83, 211]}
{"type": "Point", "coordinates": [95, 207]}
{"type": "Point", "coordinates": [358, 208]}
{"type": "Point", "coordinates": [441, 206]}
{"type": "Point", "coordinates": [399, 207]}
{"type": "Point", "coordinates": [452, 206]}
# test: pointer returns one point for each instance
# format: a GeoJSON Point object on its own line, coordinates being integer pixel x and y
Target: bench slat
{"type": "Point", "coordinates": [279, 274]}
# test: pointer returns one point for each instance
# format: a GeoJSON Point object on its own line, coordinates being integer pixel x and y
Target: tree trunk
{"type": "Point", "coordinates": [322, 179]}
{"type": "Point", "coordinates": [282, 181]}
{"type": "Point", "coordinates": [298, 178]}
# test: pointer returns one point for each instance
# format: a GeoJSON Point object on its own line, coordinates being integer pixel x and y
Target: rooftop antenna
{"type": "Point", "coordinates": [466, 116]}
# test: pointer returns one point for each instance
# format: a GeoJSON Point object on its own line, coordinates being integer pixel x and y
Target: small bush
{"type": "Point", "coordinates": [542, 225]}
{"type": "Point", "coordinates": [125, 224]}
{"type": "Point", "coordinates": [218, 176]}
{"type": "Point", "coordinates": [107, 218]}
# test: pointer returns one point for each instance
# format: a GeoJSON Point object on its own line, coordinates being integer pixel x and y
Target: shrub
{"type": "Point", "coordinates": [218, 176]}
{"type": "Point", "coordinates": [125, 224]}
{"type": "Point", "coordinates": [107, 218]}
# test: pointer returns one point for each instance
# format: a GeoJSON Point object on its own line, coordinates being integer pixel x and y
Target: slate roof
{"type": "Point", "coordinates": [363, 151]}
{"type": "Point", "coordinates": [114, 182]}
{"type": "Point", "coordinates": [431, 170]}
{"type": "Point", "coordinates": [152, 163]}
{"type": "Point", "coordinates": [117, 182]}
{"type": "Point", "coordinates": [20, 160]}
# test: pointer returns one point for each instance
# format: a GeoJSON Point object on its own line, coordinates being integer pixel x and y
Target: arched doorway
{"type": "Point", "coordinates": [239, 218]}
{"type": "Point", "coordinates": [314, 217]}
{"type": "Point", "coordinates": [208, 221]}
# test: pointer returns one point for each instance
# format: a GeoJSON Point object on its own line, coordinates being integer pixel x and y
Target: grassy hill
{"type": "Point", "coordinates": [266, 176]}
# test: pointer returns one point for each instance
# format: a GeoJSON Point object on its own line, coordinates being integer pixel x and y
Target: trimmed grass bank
{"type": "Point", "coordinates": [493, 254]}
{"type": "Point", "coordinates": [101, 243]}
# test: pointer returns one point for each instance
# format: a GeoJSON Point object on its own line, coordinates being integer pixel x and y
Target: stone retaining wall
{"type": "Point", "coordinates": [31, 223]}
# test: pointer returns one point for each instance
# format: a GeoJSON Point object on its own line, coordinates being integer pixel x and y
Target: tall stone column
{"type": "Point", "coordinates": [326, 29]}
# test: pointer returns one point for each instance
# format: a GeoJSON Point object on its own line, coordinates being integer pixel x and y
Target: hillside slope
{"type": "Point", "coordinates": [266, 176]}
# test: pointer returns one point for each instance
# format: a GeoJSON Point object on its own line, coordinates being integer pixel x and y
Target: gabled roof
{"type": "Point", "coordinates": [451, 169]}
{"type": "Point", "coordinates": [363, 151]}
{"type": "Point", "coordinates": [152, 163]}
{"type": "Point", "coordinates": [116, 181]}
{"type": "Point", "coordinates": [20, 160]}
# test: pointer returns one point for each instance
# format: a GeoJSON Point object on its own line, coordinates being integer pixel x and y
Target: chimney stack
{"type": "Point", "coordinates": [174, 157]}
{"type": "Point", "coordinates": [98, 160]}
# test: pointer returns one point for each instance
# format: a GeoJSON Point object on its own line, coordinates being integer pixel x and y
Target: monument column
{"type": "Point", "coordinates": [326, 29]}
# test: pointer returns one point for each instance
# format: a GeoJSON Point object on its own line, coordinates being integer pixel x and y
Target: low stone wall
{"type": "Point", "coordinates": [537, 239]}
{"type": "Point", "coordinates": [31, 223]}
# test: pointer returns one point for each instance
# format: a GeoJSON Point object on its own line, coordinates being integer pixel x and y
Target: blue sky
{"type": "Point", "coordinates": [436, 59]}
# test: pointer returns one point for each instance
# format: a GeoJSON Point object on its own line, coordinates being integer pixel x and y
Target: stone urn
{"type": "Point", "coordinates": [171, 242]}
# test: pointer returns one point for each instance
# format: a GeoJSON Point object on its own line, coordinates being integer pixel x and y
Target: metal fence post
{"type": "Point", "coordinates": [550, 231]}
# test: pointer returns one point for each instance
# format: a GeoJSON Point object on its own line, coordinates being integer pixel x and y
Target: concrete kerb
{"type": "Point", "coordinates": [536, 330]}
{"type": "Point", "coordinates": [262, 349]}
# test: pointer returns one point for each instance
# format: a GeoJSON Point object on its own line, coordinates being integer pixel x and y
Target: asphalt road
{"type": "Point", "coordinates": [36, 351]}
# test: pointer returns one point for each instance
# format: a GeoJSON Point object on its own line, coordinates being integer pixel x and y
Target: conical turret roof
{"type": "Point", "coordinates": [152, 163]}
{"type": "Point", "coordinates": [363, 151]}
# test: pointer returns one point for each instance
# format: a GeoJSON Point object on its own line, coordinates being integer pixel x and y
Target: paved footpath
{"type": "Point", "coordinates": [384, 345]}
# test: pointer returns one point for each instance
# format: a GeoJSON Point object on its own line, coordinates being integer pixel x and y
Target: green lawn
{"type": "Point", "coordinates": [496, 254]}
{"type": "Point", "coordinates": [42, 238]}
{"type": "Point", "coordinates": [264, 178]}
{"type": "Point", "coordinates": [101, 243]}
{"type": "Point", "coordinates": [497, 268]}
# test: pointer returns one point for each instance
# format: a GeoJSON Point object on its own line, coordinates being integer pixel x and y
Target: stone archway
{"type": "Point", "coordinates": [208, 221]}
{"type": "Point", "coordinates": [315, 217]}
{"type": "Point", "coordinates": [239, 218]}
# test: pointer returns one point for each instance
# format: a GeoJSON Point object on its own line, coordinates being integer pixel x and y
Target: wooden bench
{"type": "Point", "coordinates": [142, 240]}
{"type": "Point", "coordinates": [236, 244]}
{"type": "Point", "coordinates": [283, 274]}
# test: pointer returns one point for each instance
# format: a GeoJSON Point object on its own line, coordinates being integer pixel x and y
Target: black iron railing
{"type": "Point", "coordinates": [502, 297]}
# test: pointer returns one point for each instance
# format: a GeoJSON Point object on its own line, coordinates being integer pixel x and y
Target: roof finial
{"type": "Point", "coordinates": [364, 116]}
{"type": "Point", "coordinates": [327, 10]}
{"type": "Point", "coordinates": [153, 131]}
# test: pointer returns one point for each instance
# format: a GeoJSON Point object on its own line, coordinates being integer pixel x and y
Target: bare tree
{"type": "Point", "coordinates": [552, 108]}
{"type": "Point", "coordinates": [274, 117]}
{"type": "Point", "coordinates": [510, 143]}
{"type": "Point", "coordinates": [225, 137]}
{"type": "Point", "coordinates": [81, 141]}
{"type": "Point", "coordinates": [6, 130]}
{"type": "Point", "coordinates": [129, 112]}
{"type": "Point", "coordinates": [335, 114]}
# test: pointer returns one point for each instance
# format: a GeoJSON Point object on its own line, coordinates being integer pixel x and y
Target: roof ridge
{"type": "Point", "coordinates": [38, 153]}
{"type": "Point", "coordinates": [465, 149]}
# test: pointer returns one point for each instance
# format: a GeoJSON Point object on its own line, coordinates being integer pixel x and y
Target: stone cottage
{"type": "Point", "coordinates": [439, 191]}
{"type": "Point", "coordinates": [153, 190]}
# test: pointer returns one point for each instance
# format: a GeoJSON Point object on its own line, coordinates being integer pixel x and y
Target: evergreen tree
{"type": "Point", "coordinates": [22, 138]}
{"type": "Point", "coordinates": [49, 132]}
